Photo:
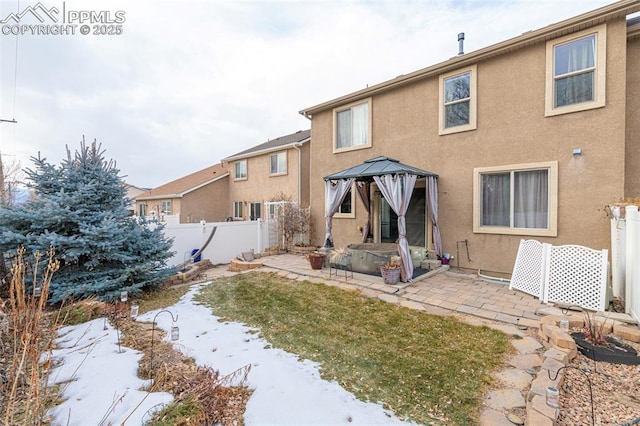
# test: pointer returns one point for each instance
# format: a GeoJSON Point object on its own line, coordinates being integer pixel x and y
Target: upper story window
{"type": "Point", "coordinates": [352, 126]}
{"type": "Point", "coordinates": [520, 199]}
{"type": "Point", "coordinates": [576, 72]}
{"type": "Point", "coordinates": [458, 101]}
{"type": "Point", "coordinates": [278, 163]}
{"type": "Point", "coordinates": [166, 207]}
{"type": "Point", "coordinates": [240, 168]}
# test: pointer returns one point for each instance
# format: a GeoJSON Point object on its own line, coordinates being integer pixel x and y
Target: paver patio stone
{"type": "Point", "coordinates": [491, 417]}
{"type": "Point", "coordinates": [506, 398]}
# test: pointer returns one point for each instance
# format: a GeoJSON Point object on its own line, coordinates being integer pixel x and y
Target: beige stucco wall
{"type": "Point", "coordinates": [512, 129]}
{"type": "Point", "coordinates": [632, 166]}
{"type": "Point", "coordinates": [209, 203]}
{"type": "Point", "coordinates": [261, 186]}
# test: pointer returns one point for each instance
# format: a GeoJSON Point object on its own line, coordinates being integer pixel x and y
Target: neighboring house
{"type": "Point", "coordinates": [198, 196]}
{"type": "Point", "coordinates": [132, 193]}
{"type": "Point", "coordinates": [276, 167]}
{"type": "Point", "coordinates": [530, 138]}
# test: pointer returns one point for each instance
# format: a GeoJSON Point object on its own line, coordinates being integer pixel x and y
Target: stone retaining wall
{"type": "Point", "coordinates": [561, 349]}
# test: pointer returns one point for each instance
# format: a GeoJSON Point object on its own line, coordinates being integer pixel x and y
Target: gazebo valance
{"type": "Point", "coordinates": [396, 182]}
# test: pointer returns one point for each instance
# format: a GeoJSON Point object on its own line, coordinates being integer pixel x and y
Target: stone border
{"type": "Point", "coordinates": [561, 349]}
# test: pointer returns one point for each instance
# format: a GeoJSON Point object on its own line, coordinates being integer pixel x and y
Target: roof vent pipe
{"type": "Point", "coordinates": [460, 43]}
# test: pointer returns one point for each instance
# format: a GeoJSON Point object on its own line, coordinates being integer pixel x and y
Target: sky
{"type": "Point", "coordinates": [180, 85]}
{"type": "Point", "coordinates": [100, 386]}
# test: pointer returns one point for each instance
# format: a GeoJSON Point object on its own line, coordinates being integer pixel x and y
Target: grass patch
{"type": "Point", "coordinates": [427, 368]}
{"type": "Point", "coordinates": [159, 299]}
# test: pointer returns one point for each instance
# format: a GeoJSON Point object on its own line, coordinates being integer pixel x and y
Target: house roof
{"type": "Point", "coordinates": [616, 10]}
{"type": "Point", "coordinates": [179, 187]}
{"type": "Point", "coordinates": [378, 166]}
{"type": "Point", "coordinates": [301, 136]}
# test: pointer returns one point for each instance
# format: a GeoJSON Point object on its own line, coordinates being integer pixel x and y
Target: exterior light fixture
{"type": "Point", "coordinates": [577, 152]}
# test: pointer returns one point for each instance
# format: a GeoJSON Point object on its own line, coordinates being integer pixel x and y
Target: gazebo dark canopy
{"type": "Point", "coordinates": [396, 182]}
{"type": "Point", "coordinates": [377, 167]}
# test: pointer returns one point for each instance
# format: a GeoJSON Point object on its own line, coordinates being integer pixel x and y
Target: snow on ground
{"type": "Point", "coordinates": [101, 386]}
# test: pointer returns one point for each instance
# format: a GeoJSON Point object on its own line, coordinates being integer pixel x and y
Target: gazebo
{"type": "Point", "coordinates": [396, 182]}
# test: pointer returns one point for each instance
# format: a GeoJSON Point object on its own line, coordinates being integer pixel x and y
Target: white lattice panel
{"type": "Point", "coordinates": [528, 271]}
{"type": "Point", "coordinates": [576, 275]}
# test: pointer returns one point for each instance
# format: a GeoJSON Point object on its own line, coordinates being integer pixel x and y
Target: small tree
{"type": "Point", "coordinates": [80, 209]}
{"type": "Point", "coordinates": [293, 220]}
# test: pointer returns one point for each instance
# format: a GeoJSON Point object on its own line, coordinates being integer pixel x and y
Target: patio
{"type": "Point", "coordinates": [439, 293]}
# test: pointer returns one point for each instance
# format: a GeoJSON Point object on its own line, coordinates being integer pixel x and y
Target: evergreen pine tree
{"type": "Point", "coordinates": [79, 209]}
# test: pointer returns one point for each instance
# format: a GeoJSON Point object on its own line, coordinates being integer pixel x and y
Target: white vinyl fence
{"type": "Point", "coordinates": [229, 241]}
{"type": "Point", "coordinates": [625, 257]}
{"type": "Point", "coordinates": [569, 274]}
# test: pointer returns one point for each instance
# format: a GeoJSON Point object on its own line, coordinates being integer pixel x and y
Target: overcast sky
{"type": "Point", "coordinates": [188, 83]}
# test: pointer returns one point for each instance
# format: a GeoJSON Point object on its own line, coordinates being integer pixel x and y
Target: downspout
{"type": "Point", "coordinates": [297, 147]}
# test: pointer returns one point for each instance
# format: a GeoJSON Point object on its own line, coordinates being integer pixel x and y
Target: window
{"type": "Point", "coordinates": [519, 199]}
{"type": "Point", "coordinates": [576, 72]}
{"type": "Point", "coordinates": [346, 209]}
{"type": "Point", "coordinates": [352, 126]}
{"type": "Point", "coordinates": [278, 163]}
{"type": "Point", "coordinates": [457, 97]}
{"type": "Point", "coordinates": [255, 211]}
{"type": "Point", "coordinates": [142, 210]}
{"type": "Point", "coordinates": [238, 210]}
{"type": "Point", "coordinates": [166, 207]}
{"type": "Point", "coordinates": [240, 169]}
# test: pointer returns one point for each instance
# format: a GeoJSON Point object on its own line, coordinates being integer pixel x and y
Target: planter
{"type": "Point", "coordinates": [390, 275]}
{"type": "Point", "coordinates": [614, 351]}
{"type": "Point", "coordinates": [316, 260]}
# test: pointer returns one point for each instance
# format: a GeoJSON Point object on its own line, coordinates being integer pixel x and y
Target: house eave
{"type": "Point", "coordinates": [266, 151]}
{"type": "Point", "coordinates": [180, 194]}
{"type": "Point", "coordinates": [604, 14]}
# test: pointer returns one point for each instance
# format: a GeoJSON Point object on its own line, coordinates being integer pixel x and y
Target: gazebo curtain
{"type": "Point", "coordinates": [432, 199]}
{"type": "Point", "coordinates": [364, 190]}
{"type": "Point", "coordinates": [397, 190]}
{"type": "Point", "coordinates": [335, 192]}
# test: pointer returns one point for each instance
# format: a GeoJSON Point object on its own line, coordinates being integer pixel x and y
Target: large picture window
{"type": "Point", "coordinates": [576, 72]}
{"type": "Point", "coordinates": [352, 126]}
{"type": "Point", "coordinates": [458, 101]}
{"type": "Point", "coordinates": [520, 199]}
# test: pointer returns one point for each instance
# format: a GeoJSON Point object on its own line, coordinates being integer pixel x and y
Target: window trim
{"type": "Point", "coordinates": [473, 98]}
{"type": "Point", "coordinates": [166, 203]}
{"type": "Point", "coordinates": [550, 231]}
{"type": "Point", "coordinates": [600, 78]}
{"type": "Point", "coordinates": [235, 170]}
{"type": "Point", "coordinates": [240, 205]}
{"type": "Point", "coordinates": [335, 126]}
{"type": "Point", "coordinates": [279, 172]}
{"type": "Point", "coordinates": [351, 215]}
{"type": "Point", "coordinates": [252, 207]}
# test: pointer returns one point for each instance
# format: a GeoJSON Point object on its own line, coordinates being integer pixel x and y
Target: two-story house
{"type": "Point", "coordinates": [201, 195]}
{"type": "Point", "coordinates": [531, 138]}
{"type": "Point", "coordinates": [278, 167]}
